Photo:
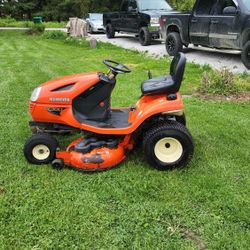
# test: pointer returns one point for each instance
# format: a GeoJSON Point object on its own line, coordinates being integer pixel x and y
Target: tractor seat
{"type": "Point", "coordinates": [167, 84]}
{"type": "Point", "coordinates": [157, 85]}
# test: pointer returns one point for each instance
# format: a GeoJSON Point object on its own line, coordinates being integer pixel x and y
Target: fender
{"type": "Point", "coordinates": [176, 24]}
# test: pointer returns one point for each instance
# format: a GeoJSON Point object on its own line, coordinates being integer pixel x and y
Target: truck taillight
{"type": "Point", "coordinates": [161, 21]}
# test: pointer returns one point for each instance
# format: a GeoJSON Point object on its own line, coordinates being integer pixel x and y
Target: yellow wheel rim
{"type": "Point", "coordinates": [168, 150]}
{"type": "Point", "coordinates": [41, 152]}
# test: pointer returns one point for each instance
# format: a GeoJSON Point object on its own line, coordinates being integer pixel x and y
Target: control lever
{"type": "Point", "coordinates": [150, 75]}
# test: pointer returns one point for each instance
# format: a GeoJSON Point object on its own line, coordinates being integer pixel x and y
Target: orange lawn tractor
{"type": "Point", "coordinates": [81, 103]}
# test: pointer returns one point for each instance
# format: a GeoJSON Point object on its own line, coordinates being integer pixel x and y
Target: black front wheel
{"type": "Point", "coordinates": [174, 44]}
{"type": "Point", "coordinates": [245, 55]}
{"type": "Point", "coordinates": [145, 36]}
{"type": "Point", "coordinates": [40, 149]}
{"type": "Point", "coordinates": [110, 31]}
{"type": "Point", "coordinates": [168, 145]}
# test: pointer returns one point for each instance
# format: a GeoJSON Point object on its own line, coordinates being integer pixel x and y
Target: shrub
{"type": "Point", "coordinates": [11, 22]}
{"type": "Point", "coordinates": [36, 29]}
{"type": "Point", "coordinates": [56, 35]}
{"type": "Point", "coordinates": [183, 4]}
{"type": "Point", "coordinates": [60, 35]}
{"type": "Point", "coordinates": [77, 41]}
{"type": "Point", "coordinates": [218, 82]}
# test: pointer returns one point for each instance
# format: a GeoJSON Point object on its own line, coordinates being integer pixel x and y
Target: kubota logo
{"type": "Point", "coordinates": [59, 99]}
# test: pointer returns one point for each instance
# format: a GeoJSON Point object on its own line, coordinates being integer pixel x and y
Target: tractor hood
{"type": "Point", "coordinates": [60, 89]}
{"type": "Point", "coordinates": [62, 81]}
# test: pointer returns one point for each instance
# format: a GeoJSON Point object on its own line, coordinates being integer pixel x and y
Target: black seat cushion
{"type": "Point", "coordinates": [159, 85]}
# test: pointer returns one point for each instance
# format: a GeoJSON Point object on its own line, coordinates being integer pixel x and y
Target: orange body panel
{"type": "Point", "coordinates": [146, 107]}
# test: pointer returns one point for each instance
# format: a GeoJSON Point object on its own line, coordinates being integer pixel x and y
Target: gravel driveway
{"type": "Point", "coordinates": [215, 58]}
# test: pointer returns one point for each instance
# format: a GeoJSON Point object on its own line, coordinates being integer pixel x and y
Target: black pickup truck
{"type": "Point", "coordinates": [140, 17]}
{"type": "Point", "coordinates": [221, 24]}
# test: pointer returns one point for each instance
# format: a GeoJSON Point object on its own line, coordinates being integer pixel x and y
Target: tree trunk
{"type": "Point", "coordinates": [29, 14]}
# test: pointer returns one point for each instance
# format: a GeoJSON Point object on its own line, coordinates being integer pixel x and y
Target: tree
{"type": "Point", "coordinates": [25, 8]}
{"type": "Point", "coordinates": [60, 10]}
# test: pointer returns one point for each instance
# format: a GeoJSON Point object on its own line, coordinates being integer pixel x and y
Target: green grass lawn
{"type": "Point", "coordinates": [133, 206]}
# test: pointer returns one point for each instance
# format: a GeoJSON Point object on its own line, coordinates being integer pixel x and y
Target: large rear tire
{"type": "Point", "coordinates": [174, 44]}
{"type": "Point", "coordinates": [245, 55]}
{"type": "Point", "coordinates": [40, 149]}
{"type": "Point", "coordinates": [110, 31]}
{"type": "Point", "coordinates": [144, 36]}
{"type": "Point", "coordinates": [168, 145]}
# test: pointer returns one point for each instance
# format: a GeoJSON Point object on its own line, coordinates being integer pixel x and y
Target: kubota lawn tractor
{"type": "Point", "coordinates": [81, 103]}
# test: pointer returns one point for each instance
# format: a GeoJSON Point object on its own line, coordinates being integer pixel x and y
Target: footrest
{"type": "Point", "coordinates": [87, 145]}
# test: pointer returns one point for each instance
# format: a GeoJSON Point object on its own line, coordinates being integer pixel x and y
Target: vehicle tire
{"type": "Point", "coordinates": [168, 145]}
{"type": "Point", "coordinates": [58, 164]}
{"type": "Point", "coordinates": [40, 149]}
{"type": "Point", "coordinates": [174, 44]}
{"type": "Point", "coordinates": [245, 55]}
{"type": "Point", "coordinates": [90, 29]}
{"type": "Point", "coordinates": [144, 36]}
{"type": "Point", "coordinates": [110, 31]}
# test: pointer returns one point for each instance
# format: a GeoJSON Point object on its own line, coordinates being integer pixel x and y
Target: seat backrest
{"type": "Point", "coordinates": [177, 70]}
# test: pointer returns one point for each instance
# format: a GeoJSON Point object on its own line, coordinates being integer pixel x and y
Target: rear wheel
{"type": "Point", "coordinates": [173, 43]}
{"type": "Point", "coordinates": [40, 149]}
{"type": "Point", "coordinates": [144, 36]}
{"type": "Point", "coordinates": [168, 145]}
{"type": "Point", "coordinates": [245, 55]}
{"type": "Point", "coordinates": [110, 31]}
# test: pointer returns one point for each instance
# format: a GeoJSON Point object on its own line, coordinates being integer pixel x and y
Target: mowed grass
{"type": "Point", "coordinates": [205, 206]}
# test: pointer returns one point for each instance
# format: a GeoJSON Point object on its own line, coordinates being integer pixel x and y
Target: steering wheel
{"type": "Point", "coordinates": [116, 67]}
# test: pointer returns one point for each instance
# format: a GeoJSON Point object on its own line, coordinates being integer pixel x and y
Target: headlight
{"type": "Point", "coordinates": [154, 20]}
{"type": "Point", "coordinates": [35, 95]}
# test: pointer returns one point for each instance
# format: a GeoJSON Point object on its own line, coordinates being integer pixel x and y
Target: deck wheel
{"type": "Point", "coordinates": [40, 149]}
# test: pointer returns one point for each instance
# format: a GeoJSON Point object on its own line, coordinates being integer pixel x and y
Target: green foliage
{"type": "Point", "coordinates": [219, 82]}
{"type": "Point", "coordinates": [73, 41]}
{"type": "Point", "coordinates": [36, 29]}
{"type": "Point", "coordinates": [57, 10]}
{"type": "Point", "coordinates": [133, 206]}
{"type": "Point", "coordinates": [59, 35]}
{"type": "Point", "coordinates": [56, 35]}
{"type": "Point", "coordinates": [183, 4]}
{"type": "Point", "coordinates": [54, 10]}
{"type": "Point", "coordinates": [19, 9]}
{"type": "Point", "coordinates": [80, 42]}
{"type": "Point", "coordinates": [11, 22]}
